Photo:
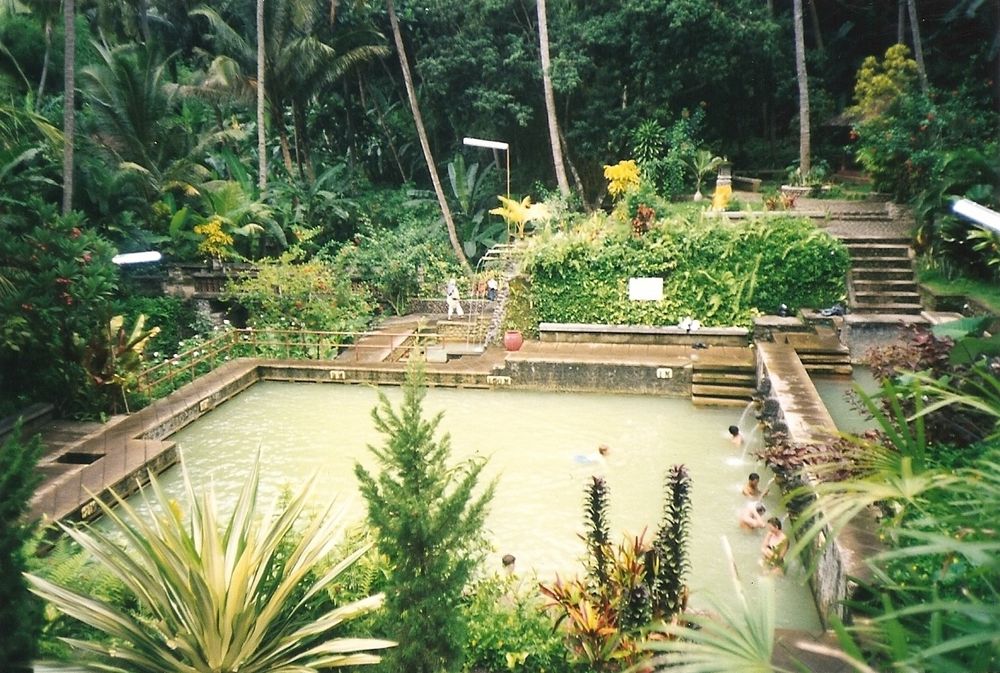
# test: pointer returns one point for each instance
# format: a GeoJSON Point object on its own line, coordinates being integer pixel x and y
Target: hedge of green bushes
{"type": "Point", "coordinates": [720, 272]}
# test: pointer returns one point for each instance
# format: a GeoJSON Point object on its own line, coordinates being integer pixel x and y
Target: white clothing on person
{"type": "Point", "coordinates": [451, 296]}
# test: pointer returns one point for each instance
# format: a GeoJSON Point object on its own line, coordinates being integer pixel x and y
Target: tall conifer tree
{"type": "Point", "coordinates": [20, 612]}
{"type": "Point", "coordinates": [429, 525]}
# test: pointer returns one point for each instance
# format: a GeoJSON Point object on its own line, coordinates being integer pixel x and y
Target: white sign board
{"type": "Point", "coordinates": [645, 289]}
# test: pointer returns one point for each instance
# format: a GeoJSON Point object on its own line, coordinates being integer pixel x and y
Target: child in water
{"type": "Point", "coordinates": [774, 548]}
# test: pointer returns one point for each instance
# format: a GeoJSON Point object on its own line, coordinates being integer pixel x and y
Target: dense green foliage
{"type": "Point", "coordinates": [397, 264]}
{"type": "Point", "coordinates": [719, 272]}
{"type": "Point", "coordinates": [20, 613]}
{"type": "Point", "coordinates": [175, 317]}
{"type": "Point", "coordinates": [429, 524]}
{"type": "Point", "coordinates": [62, 282]}
{"type": "Point", "coordinates": [308, 296]}
{"type": "Point", "coordinates": [508, 629]}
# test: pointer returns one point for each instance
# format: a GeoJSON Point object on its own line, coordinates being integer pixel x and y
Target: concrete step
{"type": "Point", "coordinates": [725, 378]}
{"type": "Point", "coordinates": [829, 370]}
{"type": "Point", "coordinates": [890, 284]}
{"type": "Point", "coordinates": [882, 262]}
{"type": "Point", "coordinates": [875, 240]}
{"type": "Point", "coordinates": [700, 401]}
{"type": "Point", "coordinates": [823, 363]}
{"type": "Point", "coordinates": [814, 343]}
{"type": "Point", "coordinates": [883, 297]}
{"type": "Point", "coordinates": [874, 274]}
{"type": "Point", "coordinates": [889, 308]}
{"type": "Point", "coordinates": [732, 392]}
{"type": "Point", "coordinates": [859, 250]}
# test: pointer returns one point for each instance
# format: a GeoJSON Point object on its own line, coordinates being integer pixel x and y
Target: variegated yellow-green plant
{"type": "Point", "coordinates": [519, 213]}
{"type": "Point", "coordinates": [217, 595]}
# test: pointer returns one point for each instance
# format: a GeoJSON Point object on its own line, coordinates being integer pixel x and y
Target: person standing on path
{"type": "Point", "coordinates": [452, 299]}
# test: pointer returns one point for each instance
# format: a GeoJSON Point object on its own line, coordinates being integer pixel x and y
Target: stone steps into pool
{"type": "Point", "coordinates": [730, 384]}
{"type": "Point", "coordinates": [820, 352]}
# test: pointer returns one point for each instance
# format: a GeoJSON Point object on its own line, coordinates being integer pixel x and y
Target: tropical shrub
{"type": "Point", "coordinates": [20, 612]}
{"type": "Point", "coordinates": [310, 296]}
{"type": "Point", "coordinates": [396, 265]}
{"type": "Point", "coordinates": [720, 273]}
{"type": "Point", "coordinates": [508, 630]}
{"type": "Point", "coordinates": [225, 595]}
{"type": "Point", "coordinates": [430, 528]}
{"type": "Point", "coordinates": [62, 281]}
{"type": "Point", "coordinates": [176, 319]}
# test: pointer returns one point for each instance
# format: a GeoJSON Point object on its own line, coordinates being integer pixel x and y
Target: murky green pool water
{"type": "Point", "coordinates": [838, 395]}
{"type": "Point", "coordinates": [531, 441]}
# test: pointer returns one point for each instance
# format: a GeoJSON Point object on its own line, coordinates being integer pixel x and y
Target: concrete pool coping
{"type": "Point", "coordinates": [101, 460]}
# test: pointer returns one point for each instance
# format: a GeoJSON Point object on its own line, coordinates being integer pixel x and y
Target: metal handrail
{"type": "Point", "coordinates": [287, 343]}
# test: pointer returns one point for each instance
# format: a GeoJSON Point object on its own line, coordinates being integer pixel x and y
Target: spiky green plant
{"type": "Point", "coordinates": [18, 609]}
{"type": "Point", "coordinates": [739, 637]}
{"type": "Point", "coordinates": [598, 535]}
{"type": "Point", "coordinates": [218, 596]}
{"type": "Point", "coordinates": [669, 590]}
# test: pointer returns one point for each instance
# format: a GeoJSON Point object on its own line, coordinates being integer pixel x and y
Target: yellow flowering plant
{"type": "Point", "coordinates": [622, 178]}
{"type": "Point", "coordinates": [216, 242]}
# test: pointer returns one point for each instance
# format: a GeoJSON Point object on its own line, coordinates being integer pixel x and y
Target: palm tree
{"type": "Point", "coordinates": [69, 101]}
{"type": "Point", "coordinates": [216, 595]}
{"type": "Point", "coordinates": [550, 101]}
{"type": "Point", "coordinates": [296, 64]}
{"type": "Point", "coordinates": [918, 47]}
{"type": "Point", "coordinates": [261, 90]}
{"type": "Point", "coordinates": [803, 80]}
{"type": "Point", "coordinates": [418, 120]}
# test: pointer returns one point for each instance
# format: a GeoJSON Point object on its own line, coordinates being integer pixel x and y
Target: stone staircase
{"type": "Point", "coordinates": [722, 384]}
{"type": "Point", "coordinates": [486, 319]}
{"type": "Point", "coordinates": [881, 279]}
{"type": "Point", "coordinates": [877, 235]}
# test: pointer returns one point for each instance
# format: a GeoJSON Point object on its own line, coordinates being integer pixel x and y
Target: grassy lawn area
{"type": "Point", "coordinates": [983, 292]}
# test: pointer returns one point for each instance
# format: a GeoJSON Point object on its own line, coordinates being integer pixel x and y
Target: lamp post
{"type": "Point", "coordinates": [136, 257]}
{"type": "Point", "coordinates": [984, 217]}
{"type": "Point", "coordinates": [493, 145]}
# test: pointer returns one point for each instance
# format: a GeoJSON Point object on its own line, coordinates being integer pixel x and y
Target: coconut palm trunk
{"type": "Point", "coordinates": [261, 134]}
{"type": "Point", "coordinates": [802, 76]}
{"type": "Point", "coordinates": [422, 135]}
{"type": "Point", "coordinates": [69, 97]}
{"type": "Point", "coordinates": [550, 100]}
{"type": "Point", "coordinates": [918, 48]}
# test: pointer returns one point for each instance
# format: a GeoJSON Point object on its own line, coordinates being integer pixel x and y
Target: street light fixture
{"type": "Point", "coordinates": [493, 145]}
{"type": "Point", "coordinates": [136, 257]}
{"type": "Point", "coordinates": [981, 215]}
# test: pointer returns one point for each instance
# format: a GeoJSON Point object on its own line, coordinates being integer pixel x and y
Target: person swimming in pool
{"type": "Point", "coordinates": [598, 458]}
{"type": "Point", "coordinates": [774, 548]}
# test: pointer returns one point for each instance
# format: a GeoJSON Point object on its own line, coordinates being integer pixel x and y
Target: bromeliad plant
{"type": "Point", "coordinates": [604, 613]}
{"type": "Point", "coordinates": [229, 595]}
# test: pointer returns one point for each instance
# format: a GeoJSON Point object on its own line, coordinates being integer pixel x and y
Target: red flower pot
{"type": "Point", "coordinates": [512, 340]}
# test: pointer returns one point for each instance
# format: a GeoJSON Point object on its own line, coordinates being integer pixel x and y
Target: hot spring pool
{"type": "Point", "coordinates": [531, 441]}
